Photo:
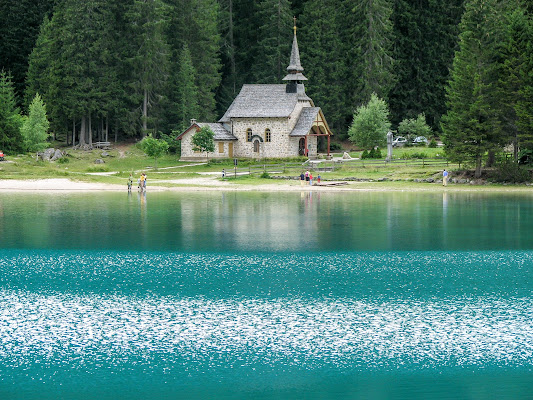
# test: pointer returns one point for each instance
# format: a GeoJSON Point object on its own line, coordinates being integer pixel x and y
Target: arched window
{"type": "Point", "coordinates": [268, 137]}
{"type": "Point", "coordinates": [249, 134]}
{"type": "Point", "coordinates": [256, 146]}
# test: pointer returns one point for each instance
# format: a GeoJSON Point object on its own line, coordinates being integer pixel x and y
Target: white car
{"type": "Point", "coordinates": [399, 141]}
{"type": "Point", "coordinates": [420, 140]}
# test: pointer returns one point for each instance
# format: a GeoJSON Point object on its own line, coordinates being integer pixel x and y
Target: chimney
{"type": "Point", "coordinates": [193, 121]}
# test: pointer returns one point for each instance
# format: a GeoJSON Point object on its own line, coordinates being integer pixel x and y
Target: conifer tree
{"type": "Point", "coordinates": [472, 126]}
{"type": "Point", "coordinates": [196, 24]}
{"type": "Point", "coordinates": [19, 27]}
{"type": "Point", "coordinates": [275, 28]}
{"type": "Point", "coordinates": [35, 127]}
{"type": "Point", "coordinates": [517, 82]}
{"type": "Point", "coordinates": [368, 30]}
{"type": "Point", "coordinates": [10, 118]}
{"type": "Point", "coordinates": [425, 39]}
{"type": "Point", "coordinates": [188, 106]}
{"type": "Point", "coordinates": [149, 54]}
{"type": "Point", "coordinates": [321, 51]}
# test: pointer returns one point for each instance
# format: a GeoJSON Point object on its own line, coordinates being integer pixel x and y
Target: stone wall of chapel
{"type": "Point", "coordinates": [279, 146]}
{"type": "Point", "coordinates": [187, 153]}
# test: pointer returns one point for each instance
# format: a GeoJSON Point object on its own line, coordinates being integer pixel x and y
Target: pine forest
{"type": "Point", "coordinates": [108, 70]}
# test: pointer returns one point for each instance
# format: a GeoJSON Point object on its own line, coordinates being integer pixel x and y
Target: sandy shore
{"type": "Point", "coordinates": [190, 184]}
{"type": "Point", "coordinates": [211, 183]}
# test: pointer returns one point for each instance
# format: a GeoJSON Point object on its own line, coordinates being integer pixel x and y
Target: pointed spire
{"type": "Point", "coordinates": [295, 67]}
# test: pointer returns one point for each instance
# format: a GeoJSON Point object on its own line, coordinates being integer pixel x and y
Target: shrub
{"type": "Point", "coordinates": [432, 144]}
{"type": "Point", "coordinates": [335, 146]}
{"type": "Point", "coordinates": [63, 160]}
{"type": "Point", "coordinates": [265, 175]}
{"type": "Point", "coordinates": [509, 171]}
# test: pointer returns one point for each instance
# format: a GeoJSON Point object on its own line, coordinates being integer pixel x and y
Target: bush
{"type": "Point", "coordinates": [265, 175]}
{"type": "Point", "coordinates": [409, 156]}
{"type": "Point", "coordinates": [432, 144]}
{"type": "Point", "coordinates": [511, 172]}
{"type": "Point", "coordinates": [335, 146]}
{"type": "Point", "coordinates": [63, 160]}
{"type": "Point", "coordinates": [372, 154]}
{"type": "Point", "coordinates": [174, 146]}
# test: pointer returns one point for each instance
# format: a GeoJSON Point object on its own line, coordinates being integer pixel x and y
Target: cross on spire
{"type": "Point", "coordinates": [295, 28]}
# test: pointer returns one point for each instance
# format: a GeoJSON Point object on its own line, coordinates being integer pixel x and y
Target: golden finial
{"type": "Point", "coordinates": [294, 26]}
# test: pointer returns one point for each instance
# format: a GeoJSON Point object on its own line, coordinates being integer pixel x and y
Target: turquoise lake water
{"type": "Point", "coordinates": [266, 296]}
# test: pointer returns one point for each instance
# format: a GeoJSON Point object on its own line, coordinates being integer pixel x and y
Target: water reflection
{"type": "Point", "coordinates": [269, 221]}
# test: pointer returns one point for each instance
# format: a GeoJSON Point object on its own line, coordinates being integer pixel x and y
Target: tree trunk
{"type": "Point", "coordinates": [145, 113]}
{"type": "Point", "coordinates": [73, 132]}
{"type": "Point", "coordinates": [107, 128]}
{"type": "Point", "coordinates": [490, 159]}
{"type": "Point", "coordinates": [90, 131]}
{"type": "Point", "coordinates": [477, 174]}
{"type": "Point", "coordinates": [82, 131]}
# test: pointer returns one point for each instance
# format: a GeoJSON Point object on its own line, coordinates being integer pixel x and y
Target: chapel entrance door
{"type": "Point", "coordinates": [301, 147]}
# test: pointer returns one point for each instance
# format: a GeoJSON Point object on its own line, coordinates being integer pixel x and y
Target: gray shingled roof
{"type": "Point", "coordinates": [218, 129]}
{"type": "Point", "coordinates": [305, 122]}
{"type": "Point", "coordinates": [294, 63]}
{"type": "Point", "coordinates": [262, 101]}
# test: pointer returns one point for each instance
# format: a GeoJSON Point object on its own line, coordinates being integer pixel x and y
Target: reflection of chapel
{"type": "Point", "coordinates": [266, 121]}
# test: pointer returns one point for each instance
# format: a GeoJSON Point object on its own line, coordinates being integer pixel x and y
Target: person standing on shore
{"type": "Point", "coordinates": [445, 178]}
{"type": "Point", "coordinates": [141, 182]}
{"type": "Point", "coordinates": [302, 178]}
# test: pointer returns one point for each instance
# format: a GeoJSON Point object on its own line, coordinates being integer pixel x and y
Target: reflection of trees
{"type": "Point", "coordinates": [236, 221]}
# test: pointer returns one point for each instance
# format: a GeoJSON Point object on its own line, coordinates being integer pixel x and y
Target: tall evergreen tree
{"type": "Point", "coordinates": [19, 28]}
{"type": "Point", "coordinates": [368, 30]}
{"type": "Point", "coordinates": [35, 127]}
{"type": "Point", "coordinates": [321, 49]}
{"type": "Point", "coordinates": [472, 126]}
{"type": "Point", "coordinates": [195, 23]}
{"type": "Point", "coordinates": [517, 81]}
{"type": "Point", "coordinates": [424, 43]}
{"type": "Point", "coordinates": [272, 57]}
{"type": "Point", "coordinates": [188, 106]}
{"type": "Point", "coordinates": [147, 21]}
{"type": "Point", "coordinates": [10, 118]}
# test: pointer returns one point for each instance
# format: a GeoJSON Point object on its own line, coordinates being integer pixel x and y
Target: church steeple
{"type": "Point", "coordinates": [295, 68]}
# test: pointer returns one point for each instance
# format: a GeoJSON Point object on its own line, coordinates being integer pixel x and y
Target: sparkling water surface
{"type": "Point", "coordinates": [266, 295]}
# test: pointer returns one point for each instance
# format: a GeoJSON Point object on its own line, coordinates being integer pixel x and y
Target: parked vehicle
{"type": "Point", "coordinates": [399, 141]}
{"type": "Point", "coordinates": [420, 140]}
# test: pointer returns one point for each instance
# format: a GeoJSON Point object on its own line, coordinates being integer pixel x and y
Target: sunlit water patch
{"type": "Point", "coordinates": [116, 321]}
{"type": "Point", "coordinates": [346, 333]}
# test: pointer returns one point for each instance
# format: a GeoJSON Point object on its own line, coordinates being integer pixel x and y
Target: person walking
{"type": "Point", "coordinates": [445, 178]}
{"type": "Point", "coordinates": [141, 182]}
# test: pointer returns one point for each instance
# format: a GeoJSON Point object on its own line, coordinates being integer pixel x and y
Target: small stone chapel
{"type": "Point", "coordinates": [266, 121]}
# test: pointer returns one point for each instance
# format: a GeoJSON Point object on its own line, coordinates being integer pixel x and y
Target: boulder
{"type": "Point", "coordinates": [57, 155]}
{"type": "Point", "coordinates": [346, 156]}
{"type": "Point", "coordinates": [99, 161]}
{"type": "Point", "coordinates": [104, 154]}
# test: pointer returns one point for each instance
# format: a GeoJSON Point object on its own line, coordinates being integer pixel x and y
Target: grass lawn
{"type": "Point", "coordinates": [124, 159]}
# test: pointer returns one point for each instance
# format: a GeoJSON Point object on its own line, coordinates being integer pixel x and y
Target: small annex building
{"type": "Point", "coordinates": [266, 121]}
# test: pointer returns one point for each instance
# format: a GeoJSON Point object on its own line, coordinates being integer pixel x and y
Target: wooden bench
{"type": "Point", "coordinates": [102, 145]}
